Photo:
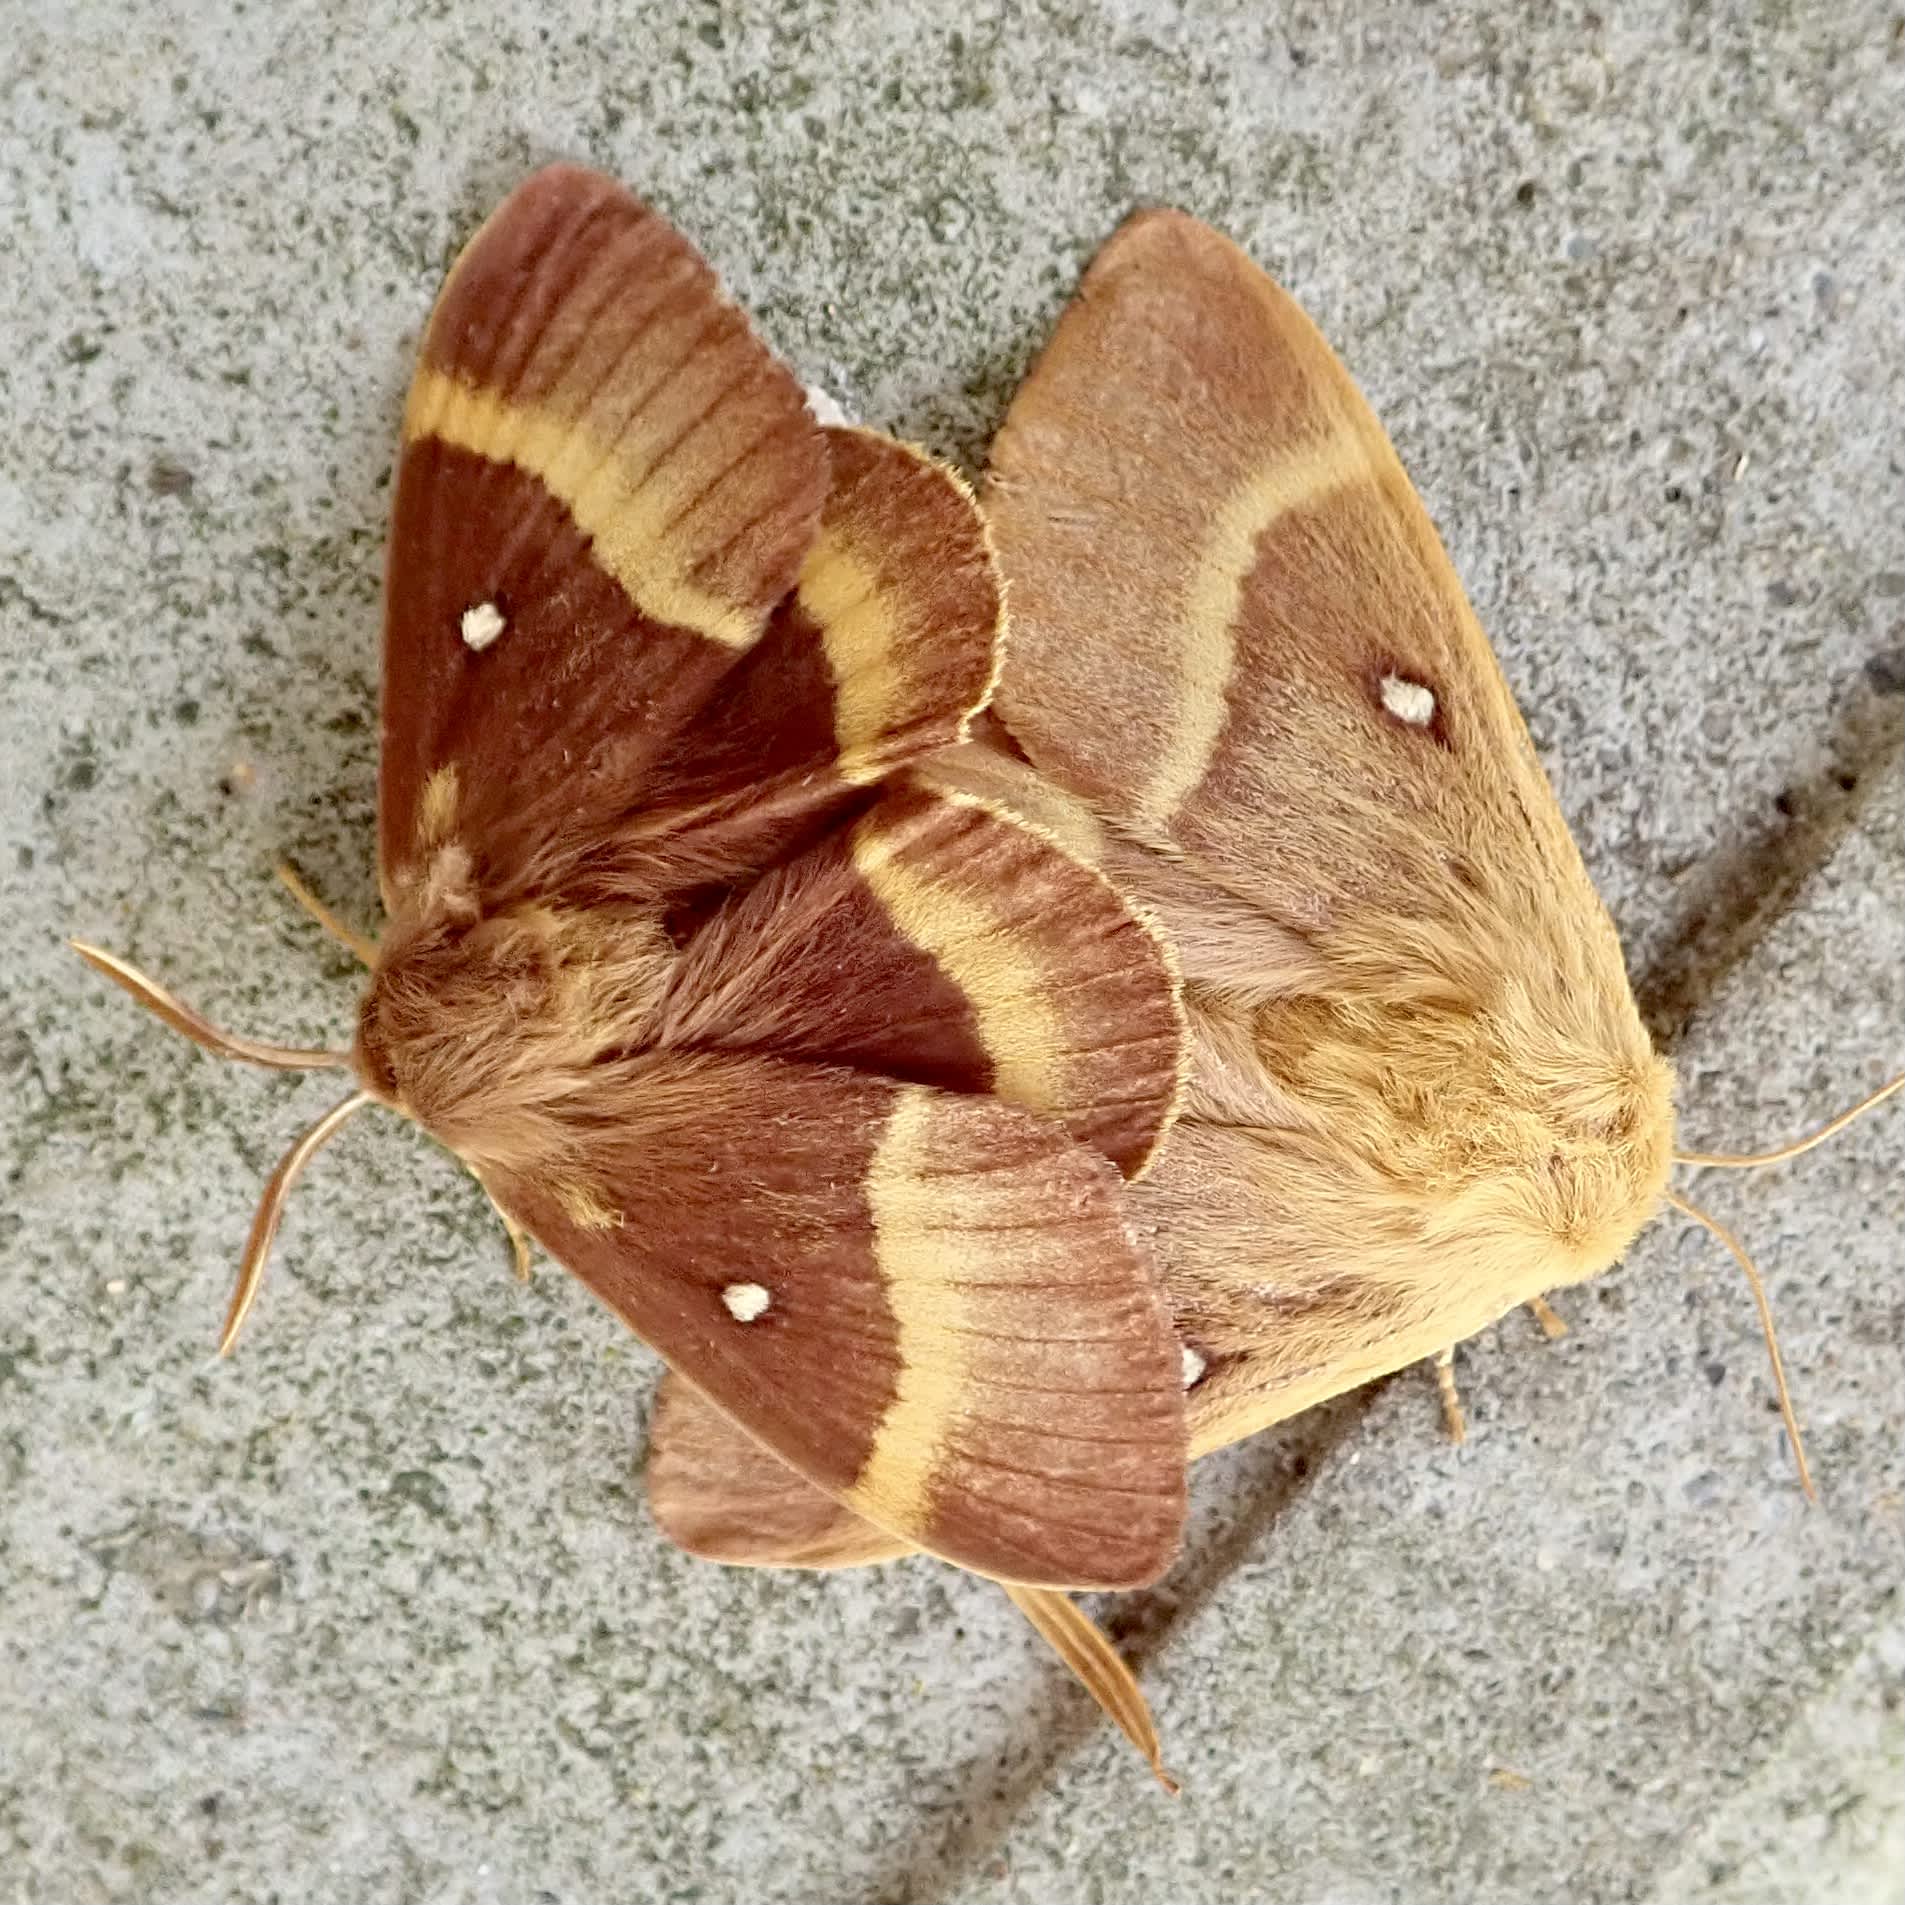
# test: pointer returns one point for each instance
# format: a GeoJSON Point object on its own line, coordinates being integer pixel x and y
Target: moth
{"type": "Point", "coordinates": [1254, 693]}
{"type": "Point", "coordinates": [822, 1075]}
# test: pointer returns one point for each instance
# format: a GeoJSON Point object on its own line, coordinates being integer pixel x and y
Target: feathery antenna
{"type": "Point", "coordinates": [1734, 1161]}
{"type": "Point", "coordinates": [1747, 1264]}
{"type": "Point", "coordinates": [264, 1226]}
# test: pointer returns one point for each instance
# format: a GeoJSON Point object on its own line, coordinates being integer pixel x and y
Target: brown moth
{"type": "Point", "coordinates": [819, 1074]}
{"type": "Point", "coordinates": [1421, 1092]}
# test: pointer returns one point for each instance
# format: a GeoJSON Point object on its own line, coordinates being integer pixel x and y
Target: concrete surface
{"type": "Point", "coordinates": [374, 1612]}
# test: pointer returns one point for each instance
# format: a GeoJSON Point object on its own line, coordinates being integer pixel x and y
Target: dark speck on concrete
{"type": "Point", "coordinates": [166, 476]}
{"type": "Point", "coordinates": [1886, 671]}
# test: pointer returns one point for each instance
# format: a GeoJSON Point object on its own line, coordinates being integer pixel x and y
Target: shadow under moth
{"type": "Point", "coordinates": [821, 1073]}
{"type": "Point", "coordinates": [1250, 688]}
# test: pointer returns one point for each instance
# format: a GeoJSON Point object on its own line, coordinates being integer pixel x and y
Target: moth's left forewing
{"type": "Point", "coordinates": [1193, 502]}
{"type": "Point", "coordinates": [943, 942]}
{"type": "Point", "coordinates": [605, 485]}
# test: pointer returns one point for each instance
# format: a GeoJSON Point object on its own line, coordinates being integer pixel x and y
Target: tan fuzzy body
{"type": "Point", "coordinates": [1373, 1170]}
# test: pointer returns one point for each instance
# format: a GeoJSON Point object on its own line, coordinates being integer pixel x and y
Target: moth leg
{"type": "Point", "coordinates": [363, 947]}
{"type": "Point", "coordinates": [518, 1237]}
{"type": "Point", "coordinates": [1451, 1396]}
{"type": "Point", "coordinates": [1552, 1327]}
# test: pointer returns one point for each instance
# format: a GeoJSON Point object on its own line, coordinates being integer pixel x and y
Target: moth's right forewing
{"type": "Point", "coordinates": [1234, 629]}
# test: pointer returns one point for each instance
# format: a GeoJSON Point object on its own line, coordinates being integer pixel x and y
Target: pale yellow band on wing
{"type": "Point", "coordinates": [1001, 974]}
{"type": "Point", "coordinates": [859, 625]}
{"type": "Point", "coordinates": [619, 493]}
{"type": "Point", "coordinates": [921, 1249]}
{"type": "Point", "coordinates": [1203, 640]}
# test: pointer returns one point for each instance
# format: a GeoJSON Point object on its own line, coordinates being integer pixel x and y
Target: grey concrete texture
{"type": "Point", "coordinates": [375, 1611]}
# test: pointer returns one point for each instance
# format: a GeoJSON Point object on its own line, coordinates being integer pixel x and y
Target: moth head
{"type": "Point", "coordinates": [1612, 1127]}
{"type": "Point", "coordinates": [444, 983]}
{"type": "Point", "coordinates": [486, 1029]}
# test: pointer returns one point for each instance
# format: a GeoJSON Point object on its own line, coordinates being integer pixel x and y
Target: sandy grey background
{"type": "Point", "coordinates": [374, 1612]}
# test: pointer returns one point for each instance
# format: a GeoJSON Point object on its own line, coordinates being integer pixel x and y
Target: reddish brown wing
{"type": "Point", "coordinates": [717, 1493]}
{"type": "Point", "coordinates": [606, 484]}
{"type": "Point", "coordinates": [943, 941]}
{"type": "Point", "coordinates": [928, 1304]}
{"type": "Point", "coordinates": [884, 652]}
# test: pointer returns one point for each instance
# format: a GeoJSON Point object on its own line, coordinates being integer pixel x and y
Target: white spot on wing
{"type": "Point", "coordinates": [1409, 701]}
{"type": "Point", "coordinates": [482, 625]}
{"type": "Point", "coordinates": [1194, 1366]}
{"type": "Point", "coordinates": [746, 1301]}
